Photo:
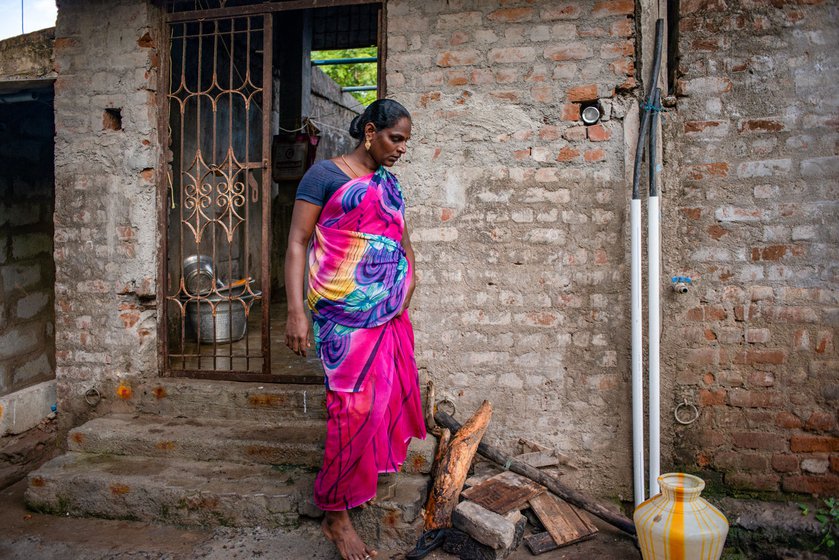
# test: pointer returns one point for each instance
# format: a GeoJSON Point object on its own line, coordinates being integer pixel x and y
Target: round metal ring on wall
{"type": "Point", "coordinates": [449, 405]}
{"type": "Point", "coordinates": [686, 404]}
{"type": "Point", "coordinates": [92, 397]}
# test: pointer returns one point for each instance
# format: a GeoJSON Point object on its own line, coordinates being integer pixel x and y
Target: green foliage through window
{"type": "Point", "coordinates": [359, 74]}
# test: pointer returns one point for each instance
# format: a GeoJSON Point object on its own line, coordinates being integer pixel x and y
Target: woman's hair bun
{"type": "Point", "coordinates": [356, 128]}
{"type": "Point", "coordinates": [383, 113]}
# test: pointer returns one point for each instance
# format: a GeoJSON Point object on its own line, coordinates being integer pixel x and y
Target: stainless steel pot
{"type": "Point", "coordinates": [229, 323]}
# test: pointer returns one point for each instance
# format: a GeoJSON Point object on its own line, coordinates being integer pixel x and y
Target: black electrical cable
{"type": "Point", "coordinates": [647, 109]}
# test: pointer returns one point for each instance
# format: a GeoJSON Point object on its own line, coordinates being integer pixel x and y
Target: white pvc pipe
{"type": "Point", "coordinates": [637, 360]}
{"type": "Point", "coordinates": [654, 262]}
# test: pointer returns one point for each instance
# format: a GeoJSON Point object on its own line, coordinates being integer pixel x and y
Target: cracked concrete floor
{"type": "Point", "coordinates": [31, 536]}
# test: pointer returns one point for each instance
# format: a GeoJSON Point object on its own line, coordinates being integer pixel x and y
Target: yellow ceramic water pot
{"type": "Point", "coordinates": [678, 524]}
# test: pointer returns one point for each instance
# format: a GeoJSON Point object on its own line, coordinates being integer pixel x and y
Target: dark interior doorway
{"type": "Point", "coordinates": [248, 113]}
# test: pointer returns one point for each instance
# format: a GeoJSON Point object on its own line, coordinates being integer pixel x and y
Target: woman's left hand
{"type": "Point", "coordinates": [408, 295]}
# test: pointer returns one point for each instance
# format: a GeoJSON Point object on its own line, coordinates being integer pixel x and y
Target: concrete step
{"type": "Point", "coordinates": [231, 400]}
{"type": "Point", "coordinates": [170, 490]}
{"type": "Point", "coordinates": [294, 442]}
{"type": "Point", "coordinates": [213, 493]}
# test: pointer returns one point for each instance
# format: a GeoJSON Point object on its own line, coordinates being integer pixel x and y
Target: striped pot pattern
{"type": "Point", "coordinates": [678, 524]}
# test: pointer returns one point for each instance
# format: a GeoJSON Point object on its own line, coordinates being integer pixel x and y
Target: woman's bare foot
{"type": "Point", "coordinates": [338, 528]}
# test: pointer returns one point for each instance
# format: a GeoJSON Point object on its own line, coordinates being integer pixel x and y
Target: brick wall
{"type": "Point", "coordinates": [27, 340]}
{"type": "Point", "coordinates": [106, 161]}
{"type": "Point", "coordinates": [517, 212]}
{"type": "Point", "coordinates": [752, 178]}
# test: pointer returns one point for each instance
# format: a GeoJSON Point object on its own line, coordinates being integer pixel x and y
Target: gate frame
{"type": "Point", "coordinates": [266, 11]}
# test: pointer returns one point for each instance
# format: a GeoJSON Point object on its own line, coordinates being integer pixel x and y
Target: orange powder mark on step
{"type": "Point", "coordinates": [124, 391]}
{"type": "Point", "coordinates": [78, 437]}
{"type": "Point", "coordinates": [159, 392]}
{"type": "Point", "coordinates": [119, 489]}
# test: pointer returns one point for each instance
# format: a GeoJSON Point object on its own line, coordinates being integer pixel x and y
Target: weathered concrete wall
{"type": "Point", "coordinates": [27, 338]}
{"type": "Point", "coordinates": [752, 178]}
{"type": "Point", "coordinates": [517, 213]}
{"type": "Point", "coordinates": [28, 56]}
{"type": "Point", "coordinates": [106, 164]}
{"type": "Point", "coordinates": [335, 110]}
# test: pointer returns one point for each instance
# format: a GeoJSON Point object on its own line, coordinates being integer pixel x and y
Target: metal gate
{"type": "Point", "coordinates": [217, 218]}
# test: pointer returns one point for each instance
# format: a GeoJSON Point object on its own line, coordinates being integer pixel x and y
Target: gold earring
{"type": "Point", "coordinates": [367, 145]}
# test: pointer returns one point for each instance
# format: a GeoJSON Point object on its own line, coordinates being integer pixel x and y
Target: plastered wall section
{"type": "Point", "coordinates": [752, 203]}
{"type": "Point", "coordinates": [517, 212]}
{"type": "Point", "coordinates": [106, 238]}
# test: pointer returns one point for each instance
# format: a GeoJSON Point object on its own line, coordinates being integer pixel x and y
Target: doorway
{"type": "Point", "coordinates": [247, 113]}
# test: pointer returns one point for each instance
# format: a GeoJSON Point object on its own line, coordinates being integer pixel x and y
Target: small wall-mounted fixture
{"type": "Point", "coordinates": [591, 112]}
{"type": "Point", "coordinates": [681, 284]}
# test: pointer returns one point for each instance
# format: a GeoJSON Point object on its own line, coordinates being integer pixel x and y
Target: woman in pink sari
{"type": "Point", "coordinates": [348, 232]}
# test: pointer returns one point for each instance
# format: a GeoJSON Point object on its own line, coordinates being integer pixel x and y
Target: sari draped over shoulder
{"type": "Point", "coordinates": [358, 281]}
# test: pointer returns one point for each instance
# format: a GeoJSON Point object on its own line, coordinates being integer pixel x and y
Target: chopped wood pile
{"type": "Point", "coordinates": [485, 517]}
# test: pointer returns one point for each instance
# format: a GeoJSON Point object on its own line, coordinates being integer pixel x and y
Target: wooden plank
{"type": "Point", "coordinates": [563, 523]}
{"type": "Point", "coordinates": [504, 492]}
{"type": "Point", "coordinates": [543, 542]}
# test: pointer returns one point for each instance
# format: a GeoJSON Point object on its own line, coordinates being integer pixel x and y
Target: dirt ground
{"type": "Point", "coordinates": [31, 536]}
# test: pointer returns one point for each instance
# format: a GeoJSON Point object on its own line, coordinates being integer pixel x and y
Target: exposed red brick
{"type": "Point", "coordinates": [587, 92]}
{"type": "Point", "coordinates": [820, 422]}
{"type": "Point", "coordinates": [761, 125]}
{"type": "Point", "coordinates": [506, 95]}
{"type": "Point", "coordinates": [834, 463]}
{"type": "Point", "coordinates": [754, 399]}
{"type": "Point", "coordinates": [759, 440]}
{"type": "Point", "coordinates": [617, 50]}
{"type": "Point", "coordinates": [571, 51]}
{"type": "Point", "coordinates": [717, 231]}
{"type": "Point", "coordinates": [761, 357]}
{"type": "Point", "coordinates": [575, 133]}
{"type": "Point", "coordinates": [744, 481]}
{"type": "Point", "coordinates": [785, 463]}
{"type": "Point", "coordinates": [769, 253]}
{"type": "Point", "coordinates": [715, 313]}
{"type": "Point", "coordinates": [814, 444]}
{"type": "Point", "coordinates": [701, 171]}
{"type": "Point", "coordinates": [824, 485]}
{"type": "Point", "coordinates": [457, 78]}
{"type": "Point", "coordinates": [622, 28]}
{"type": "Point", "coordinates": [599, 133]}
{"type": "Point", "coordinates": [709, 397]}
{"type": "Point", "coordinates": [457, 58]}
{"type": "Point", "coordinates": [691, 127]}
{"type": "Point", "coordinates": [459, 38]}
{"type": "Point", "coordinates": [624, 67]}
{"type": "Point", "coordinates": [429, 97]}
{"type": "Point", "coordinates": [549, 133]}
{"type": "Point", "coordinates": [569, 10]}
{"type": "Point", "coordinates": [568, 154]}
{"type": "Point", "coordinates": [824, 341]}
{"type": "Point", "coordinates": [596, 154]}
{"type": "Point", "coordinates": [511, 15]}
{"type": "Point", "coordinates": [570, 112]}
{"type": "Point", "coordinates": [613, 8]}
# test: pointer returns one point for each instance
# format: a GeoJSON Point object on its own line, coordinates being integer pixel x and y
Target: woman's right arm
{"type": "Point", "coordinates": [303, 220]}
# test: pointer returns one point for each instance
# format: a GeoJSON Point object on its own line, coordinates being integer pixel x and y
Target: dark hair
{"type": "Point", "coordinates": [383, 113]}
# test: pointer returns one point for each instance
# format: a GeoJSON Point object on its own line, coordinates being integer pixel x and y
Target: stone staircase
{"type": "Point", "coordinates": [209, 453]}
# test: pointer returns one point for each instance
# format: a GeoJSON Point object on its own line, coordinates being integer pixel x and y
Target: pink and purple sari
{"type": "Point", "coordinates": [358, 280]}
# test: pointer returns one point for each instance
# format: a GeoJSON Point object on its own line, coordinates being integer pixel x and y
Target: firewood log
{"type": "Point", "coordinates": [453, 467]}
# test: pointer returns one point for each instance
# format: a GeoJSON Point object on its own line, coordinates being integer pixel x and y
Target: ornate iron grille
{"type": "Point", "coordinates": [218, 214]}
